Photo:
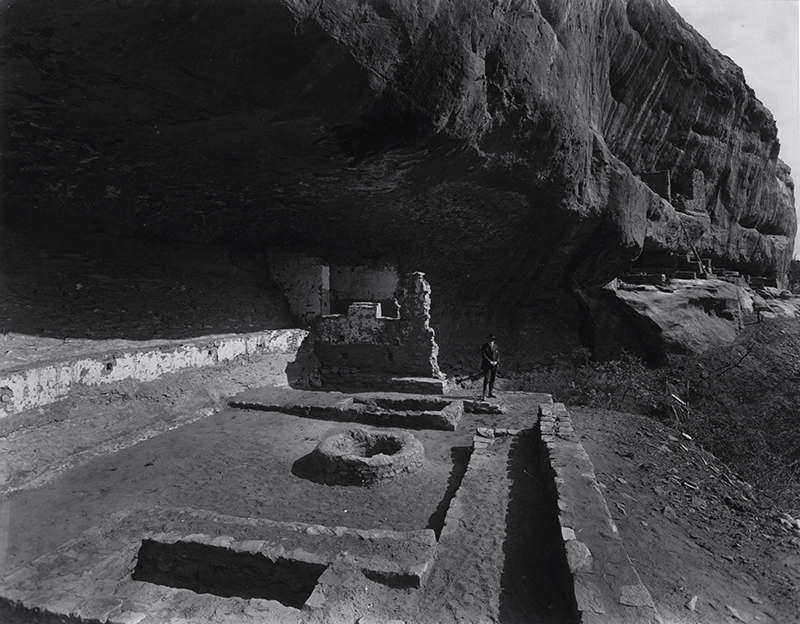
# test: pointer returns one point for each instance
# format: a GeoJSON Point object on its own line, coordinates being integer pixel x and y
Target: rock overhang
{"type": "Point", "coordinates": [508, 141]}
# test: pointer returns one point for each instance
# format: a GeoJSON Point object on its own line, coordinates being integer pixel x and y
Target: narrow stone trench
{"type": "Point", "coordinates": [498, 553]}
{"type": "Point", "coordinates": [530, 589]}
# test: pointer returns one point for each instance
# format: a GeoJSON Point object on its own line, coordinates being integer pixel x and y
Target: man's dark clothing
{"type": "Point", "coordinates": [489, 353]}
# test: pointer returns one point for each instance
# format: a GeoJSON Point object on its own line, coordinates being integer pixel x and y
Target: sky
{"type": "Point", "coordinates": [761, 36]}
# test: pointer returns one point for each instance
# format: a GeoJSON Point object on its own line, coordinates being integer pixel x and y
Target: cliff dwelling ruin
{"type": "Point", "coordinates": [249, 252]}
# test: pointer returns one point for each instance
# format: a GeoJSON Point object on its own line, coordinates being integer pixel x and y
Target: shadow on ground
{"type": "Point", "coordinates": [67, 285]}
{"type": "Point", "coordinates": [530, 588]}
{"type": "Point", "coordinates": [460, 456]}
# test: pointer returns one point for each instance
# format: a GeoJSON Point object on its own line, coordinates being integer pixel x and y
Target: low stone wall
{"type": "Point", "coordinates": [42, 384]}
{"type": "Point", "coordinates": [443, 414]}
{"type": "Point", "coordinates": [597, 571]}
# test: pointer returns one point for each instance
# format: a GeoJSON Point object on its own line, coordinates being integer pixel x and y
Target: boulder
{"type": "Point", "coordinates": [688, 317]}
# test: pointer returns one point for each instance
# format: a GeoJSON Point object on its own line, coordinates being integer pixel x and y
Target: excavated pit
{"type": "Point", "coordinates": [206, 569]}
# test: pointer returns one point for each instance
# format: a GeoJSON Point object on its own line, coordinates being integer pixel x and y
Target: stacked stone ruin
{"type": "Point", "coordinates": [686, 192]}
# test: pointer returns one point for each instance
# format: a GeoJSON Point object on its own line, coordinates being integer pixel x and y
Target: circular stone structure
{"type": "Point", "coordinates": [363, 457]}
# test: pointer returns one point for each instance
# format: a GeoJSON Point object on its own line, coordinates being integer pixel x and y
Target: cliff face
{"type": "Point", "coordinates": [499, 147]}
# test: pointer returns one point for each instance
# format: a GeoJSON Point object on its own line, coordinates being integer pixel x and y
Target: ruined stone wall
{"type": "Point", "coordinates": [365, 342]}
{"type": "Point", "coordinates": [690, 191]}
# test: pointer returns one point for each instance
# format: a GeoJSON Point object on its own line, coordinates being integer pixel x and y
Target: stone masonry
{"type": "Point", "coordinates": [363, 341]}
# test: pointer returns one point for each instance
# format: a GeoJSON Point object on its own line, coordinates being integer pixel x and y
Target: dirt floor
{"type": "Point", "coordinates": [690, 526]}
{"type": "Point", "coordinates": [238, 462]}
{"type": "Point", "coordinates": [245, 463]}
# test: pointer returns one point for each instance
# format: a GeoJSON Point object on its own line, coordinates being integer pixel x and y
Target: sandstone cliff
{"type": "Point", "coordinates": [497, 146]}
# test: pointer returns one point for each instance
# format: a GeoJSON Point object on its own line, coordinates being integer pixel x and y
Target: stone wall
{"type": "Point", "coordinates": [43, 384]}
{"type": "Point", "coordinates": [596, 570]}
{"type": "Point", "coordinates": [365, 341]}
{"type": "Point", "coordinates": [690, 191]}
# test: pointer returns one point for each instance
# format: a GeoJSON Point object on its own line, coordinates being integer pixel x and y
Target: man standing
{"type": "Point", "coordinates": [490, 356]}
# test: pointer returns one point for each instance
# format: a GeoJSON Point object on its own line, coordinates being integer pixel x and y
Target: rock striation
{"type": "Point", "coordinates": [506, 149]}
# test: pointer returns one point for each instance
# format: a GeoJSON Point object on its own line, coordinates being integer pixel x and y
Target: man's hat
{"type": "Point", "coordinates": [491, 337]}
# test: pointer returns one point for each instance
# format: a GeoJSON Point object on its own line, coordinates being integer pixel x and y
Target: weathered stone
{"type": "Point", "coordinates": [579, 557]}
{"type": "Point", "coordinates": [589, 598]}
{"type": "Point", "coordinates": [735, 613]}
{"type": "Point", "coordinates": [127, 617]}
{"type": "Point", "coordinates": [635, 596]}
{"type": "Point", "coordinates": [482, 407]}
{"type": "Point", "coordinates": [100, 608]}
{"type": "Point", "coordinates": [362, 456]}
{"type": "Point", "coordinates": [365, 342]}
{"type": "Point", "coordinates": [692, 317]}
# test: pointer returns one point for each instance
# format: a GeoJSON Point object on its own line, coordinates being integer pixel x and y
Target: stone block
{"type": "Point", "coordinates": [636, 596]}
{"type": "Point", "coordinates": [62, 604]}
{"type": "Point", "coordinates": [251, 546]}
{"type": "Point", "coordinates": [579, 557]}
{"type": "Point", "coordinates": [482, 407]}
{"type": "Point", "coordinates": [100, 608]}
{"type": "Point", "coordinates": [197, 538]}
{"type": "Point", "coordinates": [365, 309]}
{"type": "Point", "coordinates": [126, 617]}
{"type": "Point", "coordinates": [589, 598]}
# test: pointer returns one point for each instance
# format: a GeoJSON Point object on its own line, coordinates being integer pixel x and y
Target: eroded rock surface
{"type": "Point", "coordinates": [498, 147]}
{"type": "Point", "coordinates": [688, 316]}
